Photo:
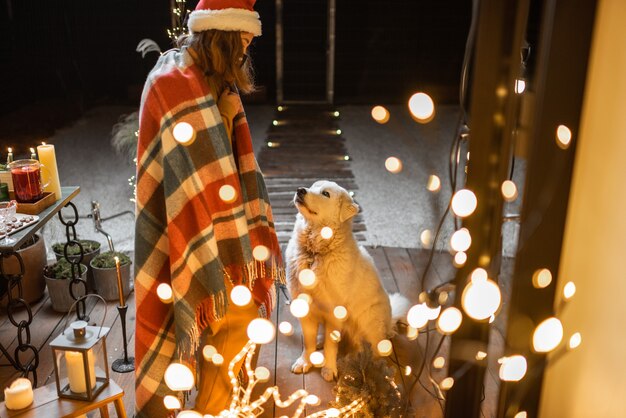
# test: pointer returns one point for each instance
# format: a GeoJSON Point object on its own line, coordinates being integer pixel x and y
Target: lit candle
{"type": "Point", "coordinates": [19, 395]}
{"type": "Point", "coordinates": [76, 371]}
{"type": "Point", "coordinates": [120, 288]}
{"type": "Point", "coordinates": [10, 156]}
{"type": "Point", "coordinates": [50, 173]}
{"type": "Point", "coordinates": [33, 155]}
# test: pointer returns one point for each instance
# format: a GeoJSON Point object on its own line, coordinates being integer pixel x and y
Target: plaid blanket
{"type": "Point", "coordinates": [186, 235]}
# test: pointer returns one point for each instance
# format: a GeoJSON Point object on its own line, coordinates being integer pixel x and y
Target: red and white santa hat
{"type": "Point", "coordinates": [226, 15]}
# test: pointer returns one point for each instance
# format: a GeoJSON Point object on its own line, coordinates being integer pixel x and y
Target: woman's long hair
{"type": "Point", "coordinates": [219, 54]}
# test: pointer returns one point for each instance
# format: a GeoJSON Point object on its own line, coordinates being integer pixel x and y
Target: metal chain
{"type": "Point", "coordinates": [15, 305]}
{"type": "Point", "coordinates": [75, 261]}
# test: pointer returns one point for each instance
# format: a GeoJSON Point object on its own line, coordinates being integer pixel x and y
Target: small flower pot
{"type": "Point", "coordinates": [33, 282]}
{"type": "Point", "coordinates": [87, 257]}
{"type": "Point", "coordinates": [59, 290]}
{"type": "Point", "coordinates": [105, 280]}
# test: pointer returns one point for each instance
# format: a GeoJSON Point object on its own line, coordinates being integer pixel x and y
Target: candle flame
{"type": "Point", "coordinates": [43, 143]}
{"type": "Point", "coordinates": [10, 149]}
{"type": "Point", "coordinates": [32, 150]}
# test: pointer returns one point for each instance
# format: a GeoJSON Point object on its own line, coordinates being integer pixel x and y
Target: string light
{"type": "Point", "coordinates": [450, 320]}
{"type": "Point", "coordinates": [261, 253]}
{"type": "Point", "coordinates": [285, 328]}
{"type": "Point", "coordinates": [481, 355]}
{"type": "Point", "coordinates": [575, 340]}
{"type": "Point", "coordinates": [317, 358]}
{"type": "Point", "coordinates": [418, 315]}
{"type": "Point", "coordinates": [426, 238]}
{"type": "Point", "coordinates": [509, 190]}
{"type": "Point", "coordinates": [384, 348]}
{"type": "Point", "coordinates": [189, 414]}
{"type": "Point", "coordinates": [520, 86]}
{"type": "Point", "coordinates": [411, 333]}
{"type": "Point", "coordinates": [208, 351]}
{"type": "Point", "coordinates": [280, 108]}
{"type": "Point", "coordinates": [447, 383]}
{"type": "Point", "coordinates": [340, 312]}
{"type": "Point", "coordinates": [563, 136]}
{"type": "Point", "coordinates": [326, 232]}
{"type": "Point", "coordinates": [228, 193]}
{"type": "Point", "coordinates": [433, 313]}
{"type": "Point", "coordinates": [338, 131]}
{"type": "Point", "coordinates": [217, 359]}
{"type": "Point", "coordinates": [171, 402]}
{"type": "Point", "coordinates": [547, 335]}
{"type": "Point", "coordinates": [380, 114]}
{"type": "Point", "coordinates": [306, 297]}
{"type": "Point", "coordinates": [299, 308]}
{"type": "Point", "coordinates": [521, 414]}
{"type": "Point", "coordinates": [393, 165]}
{"type": "Point", "coordinates": [569, 290]}
{"type": "Point", "coordinates": [165, 293]}
{"type": "Point", "coordinates": [439, 362]}
{"type": "Point", "coordinates": [178, 377]}
{"type": "Point", "coordinates": [407, 371]}
{"type": "Point", "coordinates": [335, 335]}
{"type": "Point", "coordinates": [464, 203]}
{"type": "Point", "coordinates": [275, 122]}
{"type": "Point", "coordinates": [422, 107]}
{"type": "Point", "coordinates": [184, 133]}
{"type": "Point", "coordinates": [312, 400]}
{"type": "Point", "coordinates": [262, 374]}
{"type": "Point", "coordinates": [261, 331]}
{"type": "Point", "coordinates": [307, 278]}
{"type": "Point", "coordinates": [460, 258]}
{"type": "Point", "coordinates": [481, 298]}
{"type": "Point", "coordinates": [513, 369]}
{"type": "Point", "coordinates": [241, 295]}
{"type": "Point", "coordinates": [434, 183]}
{"type": "Point", "coordinates": [542, 278]}
{"type": "Point", "coordinates": [336, 113]}
{"type": "Point", "coordinates": [479, 275]}
{"type": "Point", "coordinates": [461, 240]}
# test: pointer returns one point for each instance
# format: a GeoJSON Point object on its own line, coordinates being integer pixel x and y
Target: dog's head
{"type": "Point", "coordinates": [325, 202]}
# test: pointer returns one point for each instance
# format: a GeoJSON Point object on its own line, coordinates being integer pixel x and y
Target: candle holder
{"type": "Point", "coordinates": [126, 364]}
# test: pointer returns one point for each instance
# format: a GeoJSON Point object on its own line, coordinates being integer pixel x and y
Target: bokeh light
{"type": "Point", "coordinates": [184, 133]}
{"type": "Point", "coordinates": [449, 320]}
{"type": "Point", "coordinates": [547, 335]}
{"type": "Point", "coordinates": [461, 240]}
{"type": "Point", "coordinates": [164, 292]}
{"type": "Point", "coordinates": [509, 190]}
{"type": "Point", "coordinates": [542, 278]}
{"type": "Point", "coordinates": [464, 203]}
{"type": "Point", "coordinates": [179, 377]}
{"type": "Point", "coordinates": [513, 369]}
{"type": "Point", "coordinates": [563, 136]}
{"type": "Point", "coordinates": [393, 165]}
{"type": "Point", "coordinates": [299, 308]}
{"type": "Point", "coordinates": [422, 107]}
{"type": "Point", "coordinates": [261, 331]}
{"type": "Point", "coordinates": [380, 114]}
{"type": "Point", "coordinates": [481, 299]}
{"type": "Point", "coordinates": [241, 295]}
{"type": "Point", "coordinates": [228, 193]}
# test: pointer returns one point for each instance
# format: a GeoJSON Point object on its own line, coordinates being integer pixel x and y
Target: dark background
{"type": "Point", "coordinates": [61, 57]}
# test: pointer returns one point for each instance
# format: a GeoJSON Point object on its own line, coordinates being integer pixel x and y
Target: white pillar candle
{"type": "Point", "coordinates": [19, 395]}
{"type": "Point", "coordinates": [76, 371]}
{"type": "Point", "coordinates": [49, 174]}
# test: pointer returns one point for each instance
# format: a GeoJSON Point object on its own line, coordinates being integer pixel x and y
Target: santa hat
{"type": "Point", "coordinates": [226, 15]}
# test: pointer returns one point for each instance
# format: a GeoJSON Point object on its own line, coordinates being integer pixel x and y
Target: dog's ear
{"type": "Point", "coordinates": [348, 210]}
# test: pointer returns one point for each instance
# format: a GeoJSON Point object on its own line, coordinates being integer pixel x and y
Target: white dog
{"type": "Point", "coordinates": [345, 276]}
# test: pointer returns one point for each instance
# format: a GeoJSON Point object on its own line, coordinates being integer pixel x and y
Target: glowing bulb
{"type": "Point", "coordinates": [208, 351]}
{"type": "Point", "coordinates": [275, 122]}
{"type": "Point", "coordinates": [346, 158]}
{"type": "Point", "coordinates": [165, 293]}
{"type": "Point", "coordinates": [422, 107]}
{"type": "Point", "coordinates": [217, 359]}
{"type": "Point", "coordinates": [178, 377]}
{"type": "Point", "coordinates": [563, 136]}
{"type": "Point", "coordinates": [446, 383]}
{"type": "Point", "coordinates": [450, 320]}
{"type": "Point", "coordinates": [280, 108]}
{"type": "Point", "coordinates": [433, 313]}
{"type": "Point", "coordinates": [426, 238]}
{"type": "Point", "coordinates": [411, 333]}
{"type": "Point", "coordinates": [481, 299]}
{"type": "Point", "coordinates": [547, 335]}
{"type": "Point", "coordinates": [262, 374]}
{"type": "Point", "coordinates": [393, 165]}
{"type": "Point", "coordinates": [513, 369]}
{"type": "Point", "coordinates": [460, 258]}
{"type": "Point", "coordinates": [307, 279]}
{"type": "Point", "coordinates": [317, 359]}
{"type": "Point", "coordinates": [434, 183]}
{"type": "Point", "coordinates": [384, 348]}
{"type": "Point", "coordinates": [520, 86]}
{"type": "Point", "coordinates": [336, 114]}
{"type": "Point", "coordinates": [464, 203]}
{"type": "Point", "coordinates": [569, 290]}
{"type": "Point", "coordinates": [299, 308]}
{"type": "Point", "coordinates": [241, 295]}
{"type": "Point", "coordinates": [340, 312]}
{"type": "Point", "coordinates": [439, 362]}
{"type": "Point", "coordinates": [184, 133]}
{"type": "Point", "coordinates": [261, 253]}
{"type": "Point", "coordinates": [418, 315]}
{"type": "Point", "coordinates": [326, 232]}
{"type": "Point", "coordinates": [172, 402]}
{"type": "Point", "coordinates": [333, 413]}
{"type": "Point", "coordinates": [380, 114]}
{"type": "Point", "coordinates": [312, 400]}
{"type": "Point", "coordinates": [306, 297]}
{"type": "Point", "coordinates": [407, 371]}
{"type": "Point", "coordinates": [261, 331]}
{"type": "Point", "coordinates": [481, 355]}
{"type": "Point", "coordinates": [509, 190]}
{"type": "Point", "coordinates": [189, 414]}
{"type": "Point", "coordinates": [228, 193]}
{"type": "Point", "coordinates": [271, 144]}
{"type": "Point", "coordinates": [285, 328]}
{"type": "Point", "coordinates": [575, 340]}
{"type": "Point", "coordinates": [335, 335]}
{"type": "Point", "coordinates": [479, 275]}
{"type": "Point", "coordinates": [542, 278]}
{"type": "Point", "coordinates": [461, 240]}
{"type": "Point", "coordinates": [338, 131]}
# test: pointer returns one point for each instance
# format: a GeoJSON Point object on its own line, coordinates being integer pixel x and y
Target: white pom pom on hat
{"type": "Point", "coordinates": [226, 15]}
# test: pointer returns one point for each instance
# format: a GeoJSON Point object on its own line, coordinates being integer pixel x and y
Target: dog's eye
{"type": "Point", "coordinates": [325, 193]}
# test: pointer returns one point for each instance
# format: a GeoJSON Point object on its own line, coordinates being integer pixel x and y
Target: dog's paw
{"type": "Point", "coordinates": [301, 366]}
{"type": "Point", "coordinates": [329, 374]}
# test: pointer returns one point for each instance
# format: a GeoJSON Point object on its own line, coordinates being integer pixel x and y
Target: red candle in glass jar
{"type": "Point", "coordinates": [27, 183]}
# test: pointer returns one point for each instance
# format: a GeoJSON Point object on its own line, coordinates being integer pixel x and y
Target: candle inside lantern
{"type": "Point", "coordinates": [120, 287]}
{"type": "Point", "coordinates": [50, 175]}
{"type": "Point", "coordinates": [33, 154]}
{"type": "Point", "coordinates": [10, 156]}
{"type": "Point", "coordinates": [76, 371]}
{"type": "Point", "coordinates": [19, 395]}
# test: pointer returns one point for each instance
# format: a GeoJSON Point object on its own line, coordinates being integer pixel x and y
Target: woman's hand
{"type": "Point", "coordinates": [229, 103]}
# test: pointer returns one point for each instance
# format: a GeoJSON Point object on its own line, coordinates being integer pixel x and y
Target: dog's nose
{"type": "Point", "coordinates": [301, 191]}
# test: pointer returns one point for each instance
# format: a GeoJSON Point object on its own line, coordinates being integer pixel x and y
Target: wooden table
{"type": "Point", "coordinates": [48, 405]}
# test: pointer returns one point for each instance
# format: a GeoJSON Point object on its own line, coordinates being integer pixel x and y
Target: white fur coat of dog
{"type": "Point", "coordinates": [345, 276]}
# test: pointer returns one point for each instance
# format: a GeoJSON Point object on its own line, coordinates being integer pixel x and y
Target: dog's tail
{"type": "Point", "coordinates": [399, 308]}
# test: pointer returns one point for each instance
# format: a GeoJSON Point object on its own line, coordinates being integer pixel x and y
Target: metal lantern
{"type": "Point", "coordinates": [80, 357]}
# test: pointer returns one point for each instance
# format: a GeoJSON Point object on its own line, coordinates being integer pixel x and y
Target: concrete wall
{"type": "Point", "coordinates": [591, 380]}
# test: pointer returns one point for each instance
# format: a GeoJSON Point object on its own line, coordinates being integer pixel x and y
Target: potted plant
{"type": "Point", "coordinates": [105, 274]}
{"type": "Point", "coordinates": [33, 253]}
{"type": "Point", "coordinates": [57, 277]}
{"type": "Point", "coordinates": [90, 250]}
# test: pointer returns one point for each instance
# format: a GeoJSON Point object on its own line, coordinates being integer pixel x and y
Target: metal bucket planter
{"type": "Point", "coordinates": [87, 257]}
{"type": "Point", "coordinates": [105, 280]}
{"type": "Point", "coordinates": [59, 290]}
{"type": "Point", "coordinates": [33, 283]}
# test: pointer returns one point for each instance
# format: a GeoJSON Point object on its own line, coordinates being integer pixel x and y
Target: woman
{"type": "Point", "coordinates": [192, 232]}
